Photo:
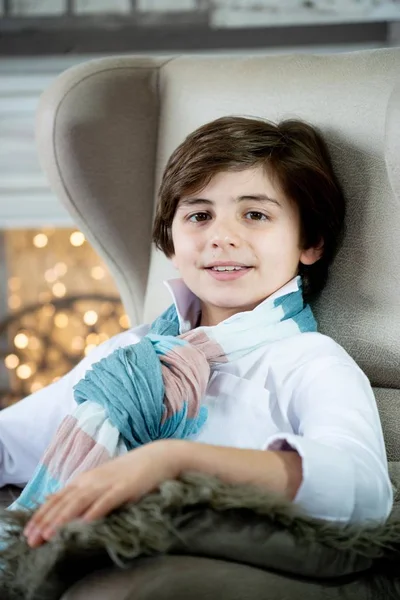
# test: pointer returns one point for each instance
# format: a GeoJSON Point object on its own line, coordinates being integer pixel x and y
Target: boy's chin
{"type": "Point", "coordinates": [234, 303]}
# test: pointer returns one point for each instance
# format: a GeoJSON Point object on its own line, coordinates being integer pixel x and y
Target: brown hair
{"type": "Point", "coordinates": [294, 154]}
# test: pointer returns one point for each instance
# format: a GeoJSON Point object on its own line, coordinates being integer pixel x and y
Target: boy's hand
{"type": "Point", "coordinates": [94, 494]}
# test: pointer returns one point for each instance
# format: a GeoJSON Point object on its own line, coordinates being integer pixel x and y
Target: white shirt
{"type": "Point", "coordinates": [304, 392]}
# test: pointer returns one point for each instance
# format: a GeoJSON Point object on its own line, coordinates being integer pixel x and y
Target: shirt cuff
{"type": "Point", "coordinates": [327, 490]}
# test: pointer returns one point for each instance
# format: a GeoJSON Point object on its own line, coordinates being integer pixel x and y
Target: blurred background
{"type": "Point", "coordinates": [57, 299]}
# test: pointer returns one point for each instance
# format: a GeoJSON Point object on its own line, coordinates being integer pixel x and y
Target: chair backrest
{"type": "Point", "coordinates": [106, 128]}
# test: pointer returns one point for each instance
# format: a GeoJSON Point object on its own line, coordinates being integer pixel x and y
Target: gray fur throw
{"type": "Point", "coordinates": [202, 516]}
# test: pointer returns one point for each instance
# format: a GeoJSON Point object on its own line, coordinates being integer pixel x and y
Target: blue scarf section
{"type": "Point", "coordinates": [129, 383]}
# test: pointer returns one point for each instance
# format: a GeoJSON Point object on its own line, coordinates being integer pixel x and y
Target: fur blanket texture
{"type": "Point", "coordinates": [202, 516]}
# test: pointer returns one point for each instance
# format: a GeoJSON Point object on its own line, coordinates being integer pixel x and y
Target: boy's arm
{"type": "Point", "coordinates": [335, 466]}
{"type": "Point", "coordinates": [277, 471]}
{"type": "Point", "coordinates": [27, 427]}
{"type": "Point", "coordinates": [95, 493]}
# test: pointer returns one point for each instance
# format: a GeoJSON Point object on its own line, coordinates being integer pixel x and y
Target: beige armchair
{"type": "Point", "coordinates": [105, 130]}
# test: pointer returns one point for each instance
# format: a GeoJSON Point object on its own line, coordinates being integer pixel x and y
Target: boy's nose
{"type": "Point", "coordinates": [226, 241]}
{"type": "Point", "coordinates": [224, 236]}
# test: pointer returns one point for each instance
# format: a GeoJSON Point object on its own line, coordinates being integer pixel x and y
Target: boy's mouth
{"type": "Point", "coordinates": [226, 266]}
{"type": "Point", "coordinates": [223, 269]}
{"type": "Point", "coordinates": [228, 273]}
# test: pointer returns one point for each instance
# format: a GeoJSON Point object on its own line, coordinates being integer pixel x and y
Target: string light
{"type": "Point", "coordinates": [14, 302]}
{"type": "Point", "coordinates": [11, 361]}
{"type": "Point", "coordinates": [40, 240]}
{"type": "Point", "coordinates": [59, 290]}
{"type": "Point", "coordinates": [24, 371]}
{"type": "Point", "coordinates": [92, 338]}
{"type": "Point", "coordinates": [21, 341]}
{"type": "Point", "coordinates": [77, 238]}
{"type": "Point", "coordinates": [61, 320]}
{"type": "Point", "coordinates": [97, 273]}
{"type": "Point", "coordinates": [90, 317]}
{"type": "Point", "coordinates": [124, 321]}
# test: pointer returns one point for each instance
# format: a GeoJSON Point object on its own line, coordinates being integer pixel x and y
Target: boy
{"type": "Point", "coordinates": [248, 211]}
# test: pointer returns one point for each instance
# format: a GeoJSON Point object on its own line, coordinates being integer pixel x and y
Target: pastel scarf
{"type": "Point", "coordinates": [154, 389]}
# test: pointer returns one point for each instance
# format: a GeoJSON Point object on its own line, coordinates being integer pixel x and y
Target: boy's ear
{"type": "Point", "coordinates": [173, 260]}
{"type": "Point", "coordinates": [311, 255]}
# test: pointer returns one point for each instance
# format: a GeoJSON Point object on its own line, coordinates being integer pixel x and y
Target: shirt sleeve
{"type": "Point", "coordinates": [26, 428]}
{"type": "Point", "coordinates": [338, 434]}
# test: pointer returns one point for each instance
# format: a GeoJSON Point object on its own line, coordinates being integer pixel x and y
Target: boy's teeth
{"type": "Point", "coordinates": [227, 268]}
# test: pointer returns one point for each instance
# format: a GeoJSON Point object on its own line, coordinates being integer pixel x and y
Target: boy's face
{"type": "Point", "coordinates": [232, 221]}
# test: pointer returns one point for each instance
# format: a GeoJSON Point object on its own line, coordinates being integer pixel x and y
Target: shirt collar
{"type": "Point", "coordinates": [188, 304]}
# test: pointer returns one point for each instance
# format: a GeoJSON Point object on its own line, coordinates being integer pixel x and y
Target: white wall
{"type": "Point", "coordinates": [25, 198]}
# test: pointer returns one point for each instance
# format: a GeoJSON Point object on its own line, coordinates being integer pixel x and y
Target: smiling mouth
{"type": "Point", "coordinates": [227, 269]}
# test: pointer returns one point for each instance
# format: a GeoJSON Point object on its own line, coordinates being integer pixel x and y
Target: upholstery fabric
{"type": "Point", "coordinates": [199, 578]}
{"type": "Point", "coordinates": [103, 168]}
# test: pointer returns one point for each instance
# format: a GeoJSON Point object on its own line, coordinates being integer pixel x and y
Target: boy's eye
{"type": "Point", "coordinates": [258, 215]}
{"type": "Point", "coordinates": [201, 214]}
{"type": "Point", "coordinates": [199, 217]}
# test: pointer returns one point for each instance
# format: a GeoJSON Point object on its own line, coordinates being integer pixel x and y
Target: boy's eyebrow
{"type": "Point", "coordinates": [257, 197]}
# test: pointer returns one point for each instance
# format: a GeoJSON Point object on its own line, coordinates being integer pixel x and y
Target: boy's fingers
{"type": "Point", "coordinates": [70, 508]}
{"type": "Point", "coordinates": [51, 515]}
{"type": "Point", "coordinates": [104, 505]}
{"type": "Point", "coordinates": [35, 539]}
{"type": "Point", "coordinates": [49, 501]}
{"type": "Point", "coordinates": [41, 512]}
